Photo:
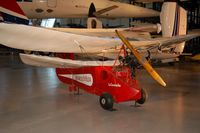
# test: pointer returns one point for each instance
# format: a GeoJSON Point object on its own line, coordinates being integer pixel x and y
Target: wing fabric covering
{"type": "Point", "coordinates": [55, 62]}
{"type": "Point", "coordinates": [41, 39]}
{"type": "Point", "coordinates": [46, 40]}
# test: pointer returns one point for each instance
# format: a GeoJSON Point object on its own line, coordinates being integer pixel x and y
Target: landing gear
{"type": "Point", "coordinates": [106, 101]}
{"type": "Point", "coordinates": [143, 97]}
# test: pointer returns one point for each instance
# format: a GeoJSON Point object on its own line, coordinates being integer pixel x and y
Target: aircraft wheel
{"type": "Point", "coordinates": [106, 101]}
{"type": "Point", "coordinates": [144, 97]}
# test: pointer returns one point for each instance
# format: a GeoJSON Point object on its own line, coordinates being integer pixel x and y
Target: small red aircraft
{"type": "Point", "coordinates": [114, 84]}
{"type": "Point", "coordinates": [114, 81]}
{"type": "Point", "coordinates": [110, 83]}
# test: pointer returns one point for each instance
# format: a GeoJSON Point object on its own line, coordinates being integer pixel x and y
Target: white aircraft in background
{"type": "Point", "coordinates": [41, 9]}
{"type": "Point", "coordinates": [91, 9]}
{"type": "Point", "coordinates": [82, 8]}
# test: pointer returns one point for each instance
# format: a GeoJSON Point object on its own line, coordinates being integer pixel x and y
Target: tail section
{"type": "Point", "coordinates": [174, 22]}
{"type": "Point", "coordinates": [11, 12]}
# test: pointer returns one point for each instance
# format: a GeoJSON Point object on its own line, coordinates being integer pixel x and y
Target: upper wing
{"type": "Point", "coordinates": [40, 39]}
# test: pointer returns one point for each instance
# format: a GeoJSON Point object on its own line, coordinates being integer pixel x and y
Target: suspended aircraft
{"type": "Point", "coordinates": [110, 79]}
{"type": "Point", "coordinates": [80, 9]}
{"type": "Point", "coordinates": [90, 9]}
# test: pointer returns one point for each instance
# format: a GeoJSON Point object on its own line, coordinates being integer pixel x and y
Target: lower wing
{"type": "Point", "coordinates": [55, 62]}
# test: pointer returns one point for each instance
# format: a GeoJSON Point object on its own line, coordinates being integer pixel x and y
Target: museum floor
{"type": "Point", "coordinates": [32, 100]}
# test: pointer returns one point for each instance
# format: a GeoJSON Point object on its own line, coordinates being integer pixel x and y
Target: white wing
{"type": "Point", "coordinates": [55, 62]}
{"type": "Point", "coordinates": [40, 39]}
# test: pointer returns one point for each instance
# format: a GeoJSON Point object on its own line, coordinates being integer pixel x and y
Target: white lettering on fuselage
{"type": "Point", "coordinates": [114, 85]}
{"type": "Point", "coordinates": [86, 79]}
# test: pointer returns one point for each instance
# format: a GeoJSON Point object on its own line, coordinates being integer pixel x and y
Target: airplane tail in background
{"type": "Point", "coordinates": [174, 22]}
{"type": "Point", "coordinates": [11, 12]}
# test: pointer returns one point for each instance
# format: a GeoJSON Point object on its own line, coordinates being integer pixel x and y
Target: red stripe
{"type": "Point", "coordinates": [11, 5]}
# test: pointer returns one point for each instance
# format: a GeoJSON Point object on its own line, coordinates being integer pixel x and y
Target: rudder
{"type": "Point", "coordinates": [174, 22]}
{"type": "Point", "coordinates": [11, 12]}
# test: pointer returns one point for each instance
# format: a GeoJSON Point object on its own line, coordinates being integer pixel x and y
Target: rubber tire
{"type": "Point", "coordinates": [106, 101]}
{"type": "Point", "coordinates": [144, 97]}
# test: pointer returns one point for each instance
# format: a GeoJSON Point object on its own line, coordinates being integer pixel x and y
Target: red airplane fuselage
{"type": "Point", "coordinates": [103, 79]}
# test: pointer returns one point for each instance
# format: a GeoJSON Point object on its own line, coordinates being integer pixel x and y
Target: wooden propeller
{"type": "Point", "coordinates": [142, 60]}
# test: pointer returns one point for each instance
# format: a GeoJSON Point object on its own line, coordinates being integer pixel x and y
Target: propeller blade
{"type": "Point", "coordinates": [142, 60]}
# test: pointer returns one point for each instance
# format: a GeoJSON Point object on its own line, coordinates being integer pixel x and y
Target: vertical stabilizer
{"type": "Point", "coordinates": [174, 22]}
{"type": "Point", "coordinates": [10, 11]}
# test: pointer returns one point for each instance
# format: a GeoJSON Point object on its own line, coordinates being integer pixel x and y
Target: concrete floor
{"type": "Point", "coordinates": [32, 100]}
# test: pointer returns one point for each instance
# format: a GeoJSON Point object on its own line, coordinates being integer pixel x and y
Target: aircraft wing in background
{"type": "Point", "coordinates": [129, 33]}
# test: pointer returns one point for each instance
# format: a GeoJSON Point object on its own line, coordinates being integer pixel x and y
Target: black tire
{"type": "Point", "coordinates": [144, 97]}
{"type": "Point", "coordinates": [106, 101]}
